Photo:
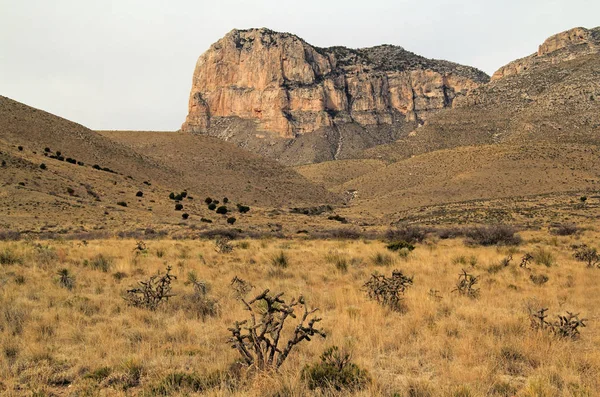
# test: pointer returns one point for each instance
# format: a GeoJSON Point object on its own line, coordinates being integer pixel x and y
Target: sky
{"type": "Point", "coordinates": [128, 64]}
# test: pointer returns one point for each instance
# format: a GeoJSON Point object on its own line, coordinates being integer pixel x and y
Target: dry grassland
{"type": "Point", "coordinates": [87, 341]}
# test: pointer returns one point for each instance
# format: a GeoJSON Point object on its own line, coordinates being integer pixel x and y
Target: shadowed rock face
{"type": "Point", "coordinates": [289, 88]}
{"type": "Point", "coordinates": [565, 46]}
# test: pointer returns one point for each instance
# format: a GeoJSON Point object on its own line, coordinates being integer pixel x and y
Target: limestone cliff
{"type": "Point", "coordinates": [289, 88]}
{"type": "Point", "coordinates": [565, 46]}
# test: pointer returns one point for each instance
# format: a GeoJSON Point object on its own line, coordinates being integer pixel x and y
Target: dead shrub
{"type": "Point", "coordinates": [389, 291]}
{"type": "Point", "coordinates": [492, 235]}
{"type": "Point", "coordinates": [151, 293]}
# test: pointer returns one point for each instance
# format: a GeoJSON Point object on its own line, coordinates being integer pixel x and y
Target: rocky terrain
{"type": "Point", "coordinates": [277, 95]}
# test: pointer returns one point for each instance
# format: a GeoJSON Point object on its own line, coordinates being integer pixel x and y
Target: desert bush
{"type": "Point", "coordinates": [222, 210]}
{"type": "Point", "coordinates": [222, 245]}
{"type": "Point", "coordinates": [178, 207]}
{"type": "Point", "coordinates": [240, 287]}
{"type": "Point", "coordinates": [212, 206]}
{"type": "Point", "coordinates": [185, 216]}
{"type": "Point", "coordinates": [465, 285]}
{"type": "Point", "coordinates": [567, 229]}
{"type": "Point", "coordinates": [66, 279]}
{"type": "Point", "coordinates": [565, 326]}
{"type": "Point", "coordinates": [410, 234]}
{"type": "Point", "coordinates": [382, 259]}
{"type": "Point", "coordinates": [336, 371]}
{"type": "Point", "coordinates": [243, 208]}
{"type": "Point", "coordinates": [280, 260]}
{"type": "Point", "coordinates": [449, 232]}
{"type": "Point", "coordinates": [122, 203]}
{"type": "Point", "coordinates": [338, 218]}
{"type": "Point", "coordinates": [538, 279]}
{"type": "Point", "coordinates": [231, 220]}
{"type": "Point", "coordinates": [186, 383]}
{"type": "Point", "coordinates": [139, 194]}
{"type": "Point", "coordinates": [9, 235]}
{"type": "Point", "coordinates": [400, 245]}
{"type": "Point", "coordinates": [9, 257]}
{"type": "Point", "coordinates": [588, 255]}
{"type": "Point", "coordinates": [100, 262]}
{"type": "Point", "coordinates": [526, 260]}
{"type": "Point", "coordinates": [258, 339]}
{"type": "Point", "coordinates": [43, 166]}
{"type": "Point", "coordinates": [340, 261]}
{"type": "Point", "coordinates": [542, 256]}
{"type": "Point", "coordinates": [388, 291]}
{"type": "Point", "coordinates": [199, 303]}
{"type": "Point", "coordinates": [492, 235]}
{"type": "Point", "coordinates": [152, 292]}
{"type": "Point", "coordinates": [208, 200]}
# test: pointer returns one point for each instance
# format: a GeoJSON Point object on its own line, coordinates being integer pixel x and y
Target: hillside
{"type": "Point", "coordinates": [86, 175]}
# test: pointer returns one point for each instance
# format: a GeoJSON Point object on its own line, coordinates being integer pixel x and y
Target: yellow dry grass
{"type": "Point", "coordinates": [87, 341]}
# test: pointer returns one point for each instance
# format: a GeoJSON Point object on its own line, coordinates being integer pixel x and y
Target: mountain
{"type": "Point", "coordinates": [532, 130]}
{"type": "Point", "coordinates": [275, 94]}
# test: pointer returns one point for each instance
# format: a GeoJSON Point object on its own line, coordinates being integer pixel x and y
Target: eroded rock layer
{"type": "Point", "coordinates": [290, 88]}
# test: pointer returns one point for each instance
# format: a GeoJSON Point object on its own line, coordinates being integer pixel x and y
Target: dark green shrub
{"type": "Point", "coordinates": [205, 220]}
{"type": "Point", "coordinates": [71, 160]}
{"type": "Point", "coordinates": [212, 206]}
{"type": "Point", "coordinates": [338, 218]}
{"type": "Point", "coordinates": [58, 154]}
{"type": "Point", "coordinates": [185, 216]}
{"type": "Point", "coordinates": [225, 200]}
{"type": "Point", "coordinates": [335, 371]}
{"type": "Point", "coordinates": [96, 167]}
{"type": "Point", "coordinates": [400, 245]}
{"type": "Point", "coordinates": [243, 208]}
{"type": "Point", "coordinates": [43, 166]}
{"type": "Point", "coordinates": [122, 203]}
{"type": "Point", "coordinates": [172, 196]}
{"type": "Point", "coordinates": [66, 279]}
{"type": "Point", "coordinates": [178, 207]}
{"type": "Point", "coordinates": [20, 148]}
{"type": "Point", "coordinates": [183, 194]}
{"type": "Point", "coordinates": [80, 163]}
{"type": "Point", "coordinates": [222, 210]}
{"type": "Point", "coordinates": [47, 150]}
{"type": "Point", "coordinates": [231, 220]}
{"type": "Point", "coordinates": [139, 194]}
{"type": "Point", "coordinates": [208, 200]}
{"type": "Point", "coordinates": [100, 262]}
{"type": "Point", "coordinates": [3, 163]}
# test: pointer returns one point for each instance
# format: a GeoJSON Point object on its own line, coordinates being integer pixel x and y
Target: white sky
{"type": "Point", "coordinates": [127, 64]}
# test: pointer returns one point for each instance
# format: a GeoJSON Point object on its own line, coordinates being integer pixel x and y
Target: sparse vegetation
{"type": "Point", "coordinates": [222, 210]}
{"type": "Point", "coordinates": [389, 291]}
{"type": "Point", "coordinates": [231, 220]}
{"type": "Point", "coordinates": [335, 371]}
{"type": "Point", "coordinates": [565, 326]}
{"type": "Point", "coordinates": [122, 203]}
{"type": "Point", "coordinates": [465, 285]}
{"type": "Point", "coordinates": [152, 292]}
{"type": "Point", "coordinates": [280, 260]}
{"type": "Point", "coordinates": [178, 207]}
{"type": "Point", "coordinates": [493, 235]}
{"type": "Point", "coordinates": [588, 255]}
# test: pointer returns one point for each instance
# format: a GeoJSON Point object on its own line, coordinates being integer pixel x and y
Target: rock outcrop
{"type": "Point", "coordinates": [565, 46]}
{"type": "Point", "coordinates": [289, 88]}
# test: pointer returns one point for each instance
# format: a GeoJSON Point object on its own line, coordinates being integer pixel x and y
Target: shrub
{"type": "Point", "coordinates": [199, 303]}
{"type": "Point", "coordinates": [565, 326]}
{"type": "Point", "coordinates": [222, 245]}
{"type": "Point", "coordinates": [493, 235]}
{"type": "Point", "coordinates": [381, 259]}
{"type": "Point", "coordinates": [20, 148]}
{"type": "Point", "coordinates": [100, 262]}
{"type": "Point", "coordinates": [280, 260]}
{"type": "Point", "coordinates": [544, 257]}
{"type": "Point", "coordinates": [152, 292]}
{"type": "Point", "coordinates": [564, 229]}
{"type": "Point", "coordinates": [96, 167]}
{"type": "Point", "coordinates": [338, 218]}
{"type": "Point", "coordinates": [336, 371]}
{"type": "Point", "coordinates": [178, 207]}
{"type": "Point", "coordinates": [538, 279]}
{"type": "Point", "coordinates": [212, 206]}
{"type": "Point", "coordinates": [588, 255]}
{"type": "Point", "coordinates": [240, 287]}
{"type": "Point", "coordinates": [122, 203]}
{"type": "Point", "coordinates": [222, 210]}
{"type": "Point", "coordinates": [139, 194]}
{"type": "Point", "coordinates": [43, 166]}
{"type": "Point", "coordinates": [172, 196]}
{"type": "Point", "coordinates": [66, 279]}
{"type": "Point", "coordinates": [205, 220]}
{"type": "Point", "coordinates": [80, 163]}
{"type": "Point", "coordinates": [388, 291]}
{"type": "Point", "coordinates": [71, 160]}
{"type": "Point", "coordinates": [184, 383]}
{"type": "Point", "coordinates": [208, 200]}
{"type": "Point", "coordinates": [257, 339]}
{"type": "Point", "coordinates": [410, 234]}
{"type": "Point", "coordinates": [8, 257]}
{"type": "Point", "coordinates": [185, 215]}
{"type": "Point", "coordinates": [231, 220]}
{"type": "Point", "coordinates": [47, 150]}
{"type": "Point", "coordinates": [465, 285]}
{"type": "Point", "coordinates": [225, 200]}
{"type": "Point", "coordinates": [400, 245]}
{"type": "Point", "coordinates": [243, 208]}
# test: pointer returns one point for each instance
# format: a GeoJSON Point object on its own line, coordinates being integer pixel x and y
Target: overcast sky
{"type": "Point", "coordinates": [127, 64]}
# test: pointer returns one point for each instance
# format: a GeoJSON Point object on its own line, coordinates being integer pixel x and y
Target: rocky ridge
{"type": "Point", "coordinates": [289, 88]}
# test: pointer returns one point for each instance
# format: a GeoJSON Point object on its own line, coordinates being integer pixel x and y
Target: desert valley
{"type": "Point", "coordinates": [444, 223]}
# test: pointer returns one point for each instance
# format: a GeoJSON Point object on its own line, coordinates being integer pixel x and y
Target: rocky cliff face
{"type": "Point", "coordinates": [289, 88]}
{"type": "Point", "coordinates": [565, 46]}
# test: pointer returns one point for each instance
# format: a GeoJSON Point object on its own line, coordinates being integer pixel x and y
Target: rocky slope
{"type": "Point", "coordinates": [560, 47]}
{"type": "Point", "coordinates": [275, 94]}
